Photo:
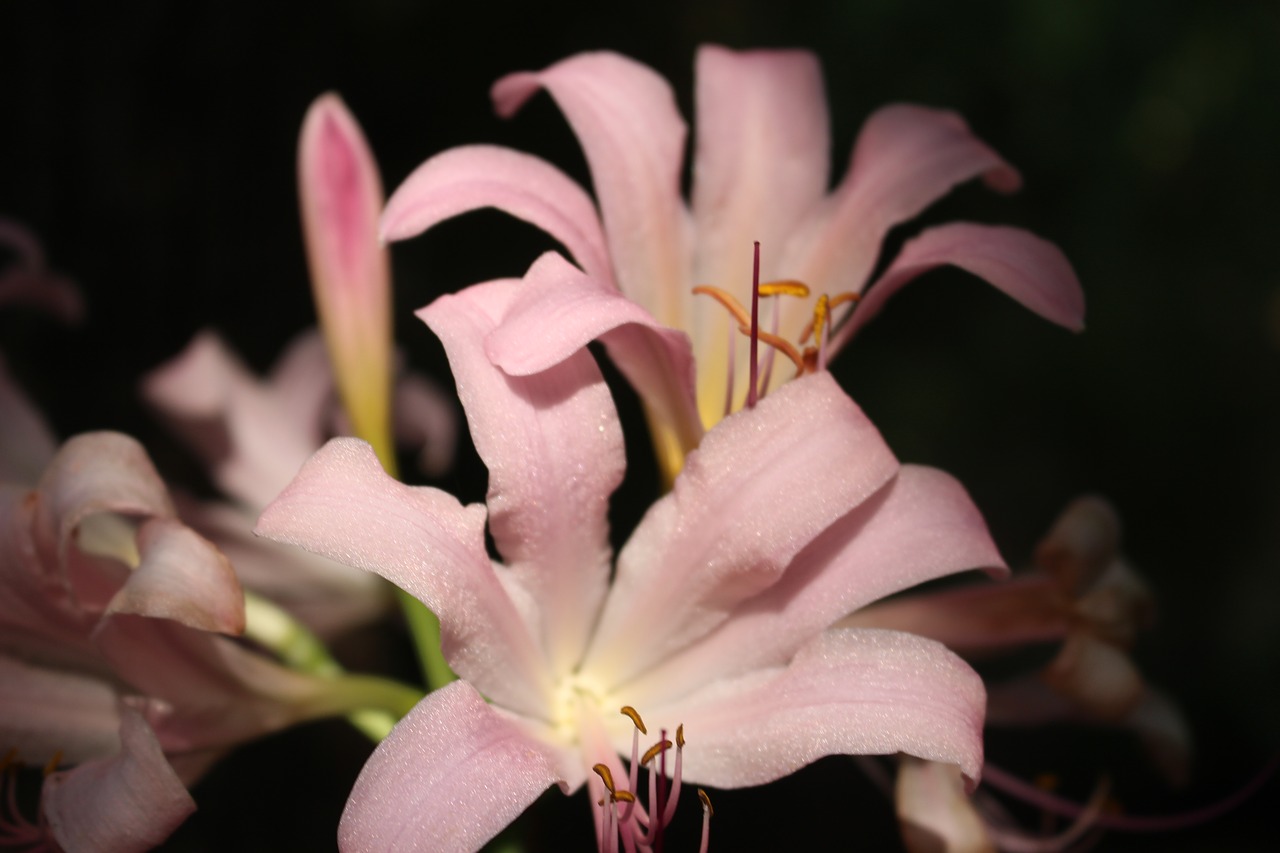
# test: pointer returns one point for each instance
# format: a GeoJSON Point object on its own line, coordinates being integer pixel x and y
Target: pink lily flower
{"type": "Point", "coordinates": [114, 609]}
{"type": "Point", "coordinates": [715, 615]}
{"type": "Point", "coordinates": [254, 434]}
{"type": "Point", "coordinates": [760, 173]}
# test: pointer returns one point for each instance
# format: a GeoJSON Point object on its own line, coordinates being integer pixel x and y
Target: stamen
{"type": "Point", "coordinates": [786, 287]}
{"type": "Point", "coordinates": [734, 306]}
{"type": "Point", "coordinates": [755, 328]}
{"type": "Point", "coordinates": [707, 812]}
{"type": "Point", "coordinates": [674, 797]}
{"type": "Point", "coordinates": [833, 303]}
{"type": "Point", "coordinates": [782, 345]}
{"type": "Point", "coordinates": [634, 716]}
{"type": "Point", "coordinates": [653, 751]}
{"type": "Point", "coordinates": [624, 797]}
{"type": "Point", "coordinates": [52, 766]}
{"type": "Point", "coordinates": [606, 776]}
{"type": "Point", "coordinates": [777, 288]}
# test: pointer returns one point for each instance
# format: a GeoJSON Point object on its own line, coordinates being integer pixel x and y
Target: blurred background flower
{"type": "Point", "coordinates": [152, 150]}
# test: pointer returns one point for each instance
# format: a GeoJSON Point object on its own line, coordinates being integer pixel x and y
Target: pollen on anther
{"type": "Point", "coordinates": [706, 802]}
{"type": "Point", "coordinates": [680, 736]}
{"type": "Point", "coordinates": [652, 753]}
{"type": "Point", "coordinates": [606, 776]}
{"type": "Point", "coordinates": [634, 716]}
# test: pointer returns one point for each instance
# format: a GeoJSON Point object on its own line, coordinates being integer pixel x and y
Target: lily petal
{"type": "Point", "coordinates": [45, 711]}
{"type": "Point", "coordinates": [906, 157]}
{"type": "Point", "coordinates": [30, 281]}
{"type": "Point", "coordinates": [852, 692]}
{"type": "Point", "coordinates": [921, 526]}
{"type": "Point", "coordinates": [341, 198]}
{"type": "Point", "coordinates": [343, 505]}
{"type": "Point", "coordinates": [477, 176]}
{"type": "Point", "coordinates": [130, 801]}
{"type": "Point", "coordinates": [755, 493]}
{"type": "Point", "coordinates": [451, 775]}
{"type": "Point", "coordinates": [1031, 270]}
{"type": "Point", "coordinates": [934, 812]}
{"type": "Point", "coordinates": [553, 446]}
{"type": "Point", "coordinates": [625, 116]}
{"type": "Point", "coordinates": [560, 310]}
{"type": "Point", "coordinates": [763, 158]}
{"type": "Point", "coordinates": [182, 577]}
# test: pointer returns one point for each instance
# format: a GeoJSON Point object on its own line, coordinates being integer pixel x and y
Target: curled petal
{"type": "Point", "coordinates": [560, 310]}
{"type": "Point", "coordinates": [344, 506]}
{"type": "Point", "coordinates": [451, 775]}
{"type": "Point", "coordinates": [477, 176]}
{"type": "Point", "coordinates": [625, 116]}
{"type": "Point", "coordinates": [849, 691]}
{"type": "Point", "coordinates": [341, 199]}
{"type": "Point", "coordinates": [182, 577]}
{"type": "Point", "coordinates": [1096, 675]}
{"type": "Point", "coordinates": [906, 157]}
{"type": "Point", "coordinates": [130, 801]}
{"type": "Point", "coordinates": [1031, 270]}
{"type": "Point", "coordinates": [754, 494]}
{"type": "Point", "coordinates": [553, 446]}
{"type": "Point", "coordinates": [1082, 543]}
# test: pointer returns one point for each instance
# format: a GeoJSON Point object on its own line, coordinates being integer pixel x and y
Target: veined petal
{"type": "Point", "coordinates": [130, 801]}
{"type": "Point", "coordinates": [906, 157]}
{"type": "Point", "coordinates": [757, 491]}
{"type": "Point", "coordinates": [560, 310]}
{"type": "Point", "coordinates": [920, 526]}
{"type": "Point", "coordinates": [625, 116]}
{"type": "Point", "coordinates": [342, 505]}
{"type": "Point", "coordinates": [450, 776]}
{"type": "Point", "coordinates": [183, 577]}
{"type": "Point", "coordinates": [553, 447]}
{"type": "Point", "coordinates": [44, 711]}
{"type": "Point", "coordinates": [762, 161]}
{"type": "Point", "coordinates": [341, 198]}
{"type": "Point", "coordinates": [1031, 270]}
{"type": "Point", "coordinates": [852, 692]}
{"type": "Point", "coordinates": [477, 176]}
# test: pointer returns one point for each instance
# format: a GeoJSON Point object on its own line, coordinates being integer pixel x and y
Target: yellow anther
{"type": "Point", "coordinates": [786, 287]}
{"type": "Point", "coordinates": [706, 803]}
{"type": "Point", "coordinates": [832, 303]}
{"type": "Point", "coordinates": [721, 296]}
{"type": "Point", "coordinates": [820, 311]}
{"type": "Point", "coordinates": [624, 797]}
{"type": "Point", "coordinates": [628, 711]}
{"type": "Point", "coordinates": [605, 775]}
{"type": "Point", "coordinates": [780, 344]}
{"type": "Point", "coordinates": [680, 736]}
{"type": "Point", "coordinates": [52, 766]}
{"type": "Point", "coordinates": [660, 746]}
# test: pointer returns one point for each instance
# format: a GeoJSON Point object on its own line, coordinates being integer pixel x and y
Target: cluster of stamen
{"type": "Point", "coordinates": [15, 830]}
{"type": "Point", "coordinates": [623, 815]}
{"type": "Point", "coordinates": [807, 358]}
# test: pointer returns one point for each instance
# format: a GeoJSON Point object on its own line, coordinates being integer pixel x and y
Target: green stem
{"type": "Point", "coordinates": [424, 629]}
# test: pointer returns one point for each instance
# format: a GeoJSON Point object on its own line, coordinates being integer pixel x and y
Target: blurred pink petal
{"type": "Point", "coordinates": [130, 801]}
{"type": "Point", "coordinates": [934, 811]}
{"type": "Point", "coordinates": [49, 711]}
{"type": "Point", "coordinates": [28, 279]}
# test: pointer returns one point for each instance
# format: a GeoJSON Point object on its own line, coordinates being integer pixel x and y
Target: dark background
{"type": "Point", "coordinates": [151, 145]}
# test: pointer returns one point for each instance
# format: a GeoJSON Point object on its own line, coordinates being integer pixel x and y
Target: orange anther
{"type": "Point", "coordinates": [634, 715]}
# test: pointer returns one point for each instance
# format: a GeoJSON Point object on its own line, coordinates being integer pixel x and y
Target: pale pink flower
{"type": "Point", "coordinates": [760, 173]}
{"type": "Point", "coordinates": [715, 614]}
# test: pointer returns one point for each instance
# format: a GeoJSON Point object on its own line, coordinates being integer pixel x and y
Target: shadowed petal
{"type": "Point", "coordinates": [560, 310]}
{"type": "Point", "coordinates": [851, 692]}
{"type": "Point", "coordinates": [920, 526]}
{"type": "Point", "coordinates": [45, 711]}
{"type": "Point", "coordinates": [449, 777]}
{"type": "Point", "coordinates": [130, 801]}
{"type": "Point", "coordinates": [906, 157]}
{"type": "Point", "coordinates": [934, 812]}
{"type": "Point", "coordinates": [343, 505]}
{"type": "Point", "coordinates": [755, 493]}
{"type": "Point", "coordinates": [476, 176]}
{"type": "Point", "coordinates": [625, 116]}
{"type": "Point", "coordinates": [1031, 270]}
{"type": "Point", "coordinates": [553, 447]}
{"type": "Point", "coordinates": [29, 280]}
{"type": "Point", "coordinates": [26, 442]}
